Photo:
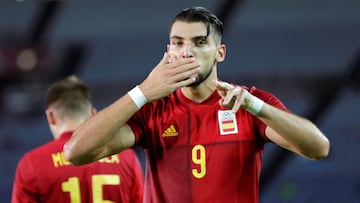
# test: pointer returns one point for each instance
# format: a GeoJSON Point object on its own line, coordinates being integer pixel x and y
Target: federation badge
{"type": "Point", "coordinates": [227, 122]}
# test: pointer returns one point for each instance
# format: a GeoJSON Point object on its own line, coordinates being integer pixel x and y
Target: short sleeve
{"type": "Point", "coordinates": [269, 99]}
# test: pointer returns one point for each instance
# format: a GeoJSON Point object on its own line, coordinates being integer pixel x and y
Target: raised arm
{"type": "Point", "coordinates": [107, 133]}
{"type": "Point", "coordinates": [288, 130]}
{"type": "Point", "coordinates": [294, 133]}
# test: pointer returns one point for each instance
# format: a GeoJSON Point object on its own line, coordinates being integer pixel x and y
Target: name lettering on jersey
{"type": "Point", "coordinates": [170, 132]}
{"type": "Point", "coordinates": [227, 122]}
{"type": "Point", "coordinates": [59, 160]}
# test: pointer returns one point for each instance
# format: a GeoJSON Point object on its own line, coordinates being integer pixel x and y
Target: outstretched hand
{"type": "Point", "coordinates": [170, 74]}
{"type": "Point", "coordinates": [233, 96]}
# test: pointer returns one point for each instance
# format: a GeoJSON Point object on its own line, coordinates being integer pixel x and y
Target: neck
{"type": "Point", "coordinates": [201, 92]}
{"type": "Point", "coordinates": [66, 127]}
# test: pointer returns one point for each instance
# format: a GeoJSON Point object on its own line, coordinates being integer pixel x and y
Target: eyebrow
{"type": "Point", "coordinates": [193, 38]}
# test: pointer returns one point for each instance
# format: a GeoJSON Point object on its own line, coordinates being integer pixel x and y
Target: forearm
{"type": "Point", "coordinates": [301, 135]}
{"type": "Point", "coordinates": [288, 130]}
{"type": "Point", "coordinates": [99, 135]}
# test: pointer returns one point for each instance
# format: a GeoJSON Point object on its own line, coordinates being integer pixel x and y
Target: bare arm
{"type": "Point", "coordinates": [103, 134]}
{"type": "Point", "coordinates": [288, 130]}
{"type": "Point", "coordinates": [294, 133]}
{"type": "Point", "coordinates": [107, 133]}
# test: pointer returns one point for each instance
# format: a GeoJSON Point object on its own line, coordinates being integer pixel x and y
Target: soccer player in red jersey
{"type": "Point", "coordinates": [43, 174]}
{"type": "Point", "coordinates": [203, 137]}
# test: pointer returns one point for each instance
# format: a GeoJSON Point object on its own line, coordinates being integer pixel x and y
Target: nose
{"type": "Point", "coordinates": [187, 51]}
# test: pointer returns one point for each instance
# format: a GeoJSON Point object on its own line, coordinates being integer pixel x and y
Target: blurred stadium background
{"type": "Point", "coordinates": [307, 52]}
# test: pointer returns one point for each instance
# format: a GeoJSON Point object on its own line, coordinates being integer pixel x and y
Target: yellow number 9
{"type": "Point", "coordinates": [199, 158]}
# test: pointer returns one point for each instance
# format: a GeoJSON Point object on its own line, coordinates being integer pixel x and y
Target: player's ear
{"type": "Point", "coordinates": [221, 52]}
{"type": "Point", "coordinates": [50, 117]}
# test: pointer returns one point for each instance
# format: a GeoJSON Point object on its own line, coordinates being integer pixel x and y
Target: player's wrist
{"type": "Point", "coordinates": [255, 106]}
{"type": "Point", "coordinates": [137, 96]}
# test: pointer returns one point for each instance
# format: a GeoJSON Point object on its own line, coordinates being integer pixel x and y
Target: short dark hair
{"type": "Point", "coordinates": [200, 14]}
{"type": "Point", "coordinates": [70, 94]}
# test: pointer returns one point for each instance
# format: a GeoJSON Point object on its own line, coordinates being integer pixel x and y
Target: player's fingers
{"type": "Point", "coordinates": [238, 101]}
{"type": "Point", "coordinates": [231, 95]}
{"type": "Point", "coordinates": [165, 58]}
{"type": "Point", "coordinates": [185, 71]}
{"type": "Point", "coordinates": [221, 93]}
{"type": "Point", "coordinates": [221, 85]}
{"type": "Point", "coordinates": [191, 74]}
{"type": "Point", "coordinates": [185, 82]}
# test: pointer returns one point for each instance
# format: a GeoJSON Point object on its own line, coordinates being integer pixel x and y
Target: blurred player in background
{"type": "Point", "coordinates": [43, 174]}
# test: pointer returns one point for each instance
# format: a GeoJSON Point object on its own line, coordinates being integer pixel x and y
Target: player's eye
{"type": "Point", "coordinates": [201, 42]}
{"type": "Point", "coordinates": [177, 43]}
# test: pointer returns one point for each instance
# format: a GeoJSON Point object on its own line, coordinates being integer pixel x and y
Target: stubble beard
{"type": "Point", "coordinates": [200, 78]}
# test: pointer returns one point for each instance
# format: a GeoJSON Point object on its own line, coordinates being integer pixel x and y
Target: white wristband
{"type": "Point", "coordinates": [256, 106]}
{"type": "Point", "coordinates": [137, 96]}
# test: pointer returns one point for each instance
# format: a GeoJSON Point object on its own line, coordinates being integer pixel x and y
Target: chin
{"type": "Point", "coordinates": [196, 83]}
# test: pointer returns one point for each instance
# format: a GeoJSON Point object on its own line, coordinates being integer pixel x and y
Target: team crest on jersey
{"type": "Point", "coordinates": [227, 122]}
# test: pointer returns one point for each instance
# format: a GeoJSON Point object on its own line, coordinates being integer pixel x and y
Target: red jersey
{"type": "Point", "coordinates": [201, 152]}
{"type": "Point", "coordinates": [43, 175]}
